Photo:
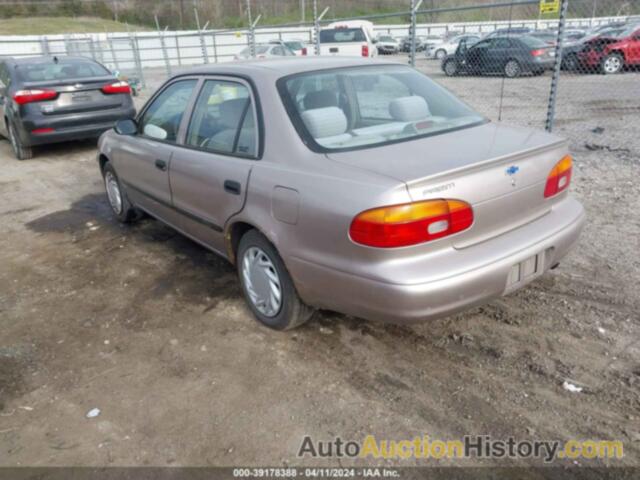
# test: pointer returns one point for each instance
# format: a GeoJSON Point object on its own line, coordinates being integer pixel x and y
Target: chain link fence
{"type": "Point", "coordinates": [507, 59]}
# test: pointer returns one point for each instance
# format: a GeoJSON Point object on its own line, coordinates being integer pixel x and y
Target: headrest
{"type": "Point", "coordinates": [231, 111]}
{"type": "Point", "coordinates": [325, 122]}
{"type": "Point", "coordinates": [409, 109]}
{"type": "Point", "coordinates": [320, 99]}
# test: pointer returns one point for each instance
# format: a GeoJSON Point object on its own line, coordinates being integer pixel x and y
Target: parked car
{"type": "Point", "coordinates": [612, 53]}
{"type": "Point", "coordinates": [309, 176]}
{"type": "Point", "coordinates": [547, 36]}
{"type": "Point", "coordinates": [47, 100]}
{"type": "Point", "coordinates": [510, 56]}
{"type": "Point", "coordinates": [387, 45]}
{"type": "Point", "coordinates": [571, 50]}
{"type": "Point", "coordinates": [266, 50]}
{"type": "Point", "coordinates": [450, 46]}
{"type": "Point", "coordinates": [348, 38]}
{"type": "Point", "coordinates": [422, 42]}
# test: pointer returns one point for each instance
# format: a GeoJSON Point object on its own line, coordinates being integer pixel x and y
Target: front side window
{"type": "Point", "coordinates": [162, 119]}
{"type": "Point", "coordinates": [359, 107]}
{"type": "Point", "coordinates": [223, 119]}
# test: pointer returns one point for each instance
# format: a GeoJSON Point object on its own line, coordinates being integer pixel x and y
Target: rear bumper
{"type": "Point", "coordinates": [70, 127]}
{"type": "Point", "coordinates": [550, 237]}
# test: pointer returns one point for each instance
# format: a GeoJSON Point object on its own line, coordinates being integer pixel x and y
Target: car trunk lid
{"type": "Point", "coordinates": [501, 171]}
{"type": "Point", "coordinates": [77, 95]}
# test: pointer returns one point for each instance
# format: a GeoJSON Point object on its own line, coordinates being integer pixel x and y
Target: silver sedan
{"type": "Point", "coordinates": [345, 184]}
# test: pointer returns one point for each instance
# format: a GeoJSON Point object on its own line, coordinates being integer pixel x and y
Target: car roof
{"type": "Point", "coordinates": [49, 59]}
{"type": "Point", "coordinates": [284, 66]}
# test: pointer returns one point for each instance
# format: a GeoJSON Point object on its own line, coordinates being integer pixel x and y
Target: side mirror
{"type": "Point", "coordinates": [126, 127]}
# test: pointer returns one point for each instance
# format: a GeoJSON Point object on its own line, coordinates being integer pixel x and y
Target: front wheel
{"type": "Point", "coordinates": [440, 54]}
{"type": "Point", "coordinates": [512, 69]}
{"type": "Point", "coordinates": [612, 63]}
{"type": "Point", "coordinates": [450, 68]}
{"type": "Point", "coordinates": [19, 150]}
{"type": "Point", "coordinates": [267, 285]}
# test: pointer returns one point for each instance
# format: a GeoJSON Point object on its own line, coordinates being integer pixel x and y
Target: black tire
{"type": "Point", "coordinates": [512, 69]}
{"type": "Point", "coordinates": [570, 62]}
{"type": "Point", "coordinates": [292, 311]}
{"type": "Point", "coordinates": [440, 54]}
{"type": "Point", "coordinates": [20, 151]}
{"type": "Point", "coordinates": [450, 68]}
{"type": "Point", "coordinates": [126, 213]}
{"type": "Point", "coordinates": [612, 64]}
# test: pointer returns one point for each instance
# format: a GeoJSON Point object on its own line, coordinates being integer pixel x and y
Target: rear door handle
{"type": "Point", "coordinates": [161, 165]}
{"type": "Point", "coordinates": [232, 187]}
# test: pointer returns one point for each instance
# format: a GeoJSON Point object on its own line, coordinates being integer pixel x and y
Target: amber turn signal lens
{"type": "Point", "coordinates": [410, 223]}
{"type": "Point", "coordinates": [559, 177]}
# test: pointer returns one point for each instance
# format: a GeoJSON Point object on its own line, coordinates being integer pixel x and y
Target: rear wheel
{"type": "Point", "coordinates": [267, 286]}
{"type": "Point", "coordinates": [19, 150]}
{"type": "Point", "coordinates": [512, 69]}
{"type": "Point", "coordinates": [570, 62]}
{"type": "Point", "coordinates": [450, 68]}
{"type": "Point", "coordinates": [612, 63]}
{"type": "Point", "coordinates": [120, 205]}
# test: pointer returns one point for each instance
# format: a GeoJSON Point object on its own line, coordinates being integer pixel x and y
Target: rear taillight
{"type": "Point", "coordinates": [40, 131]}
{"type": "Point", "coordinates": [559, 178]}
{"type": "Point", "coordinates": [28, 96]}
{"type": "Point", "coordinates": [538, 52]}
{"type": "Point", "coordinates": [304, 51]}
{"type": "Point", "coordinates": [116, 87]}
{"type": "Point", "coordinates": [365, 50]}
{"type": "Point", "coordinates": [410, 223]}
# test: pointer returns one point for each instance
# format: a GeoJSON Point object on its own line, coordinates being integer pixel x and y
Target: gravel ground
{"type": "Point", "coordinates": [152, 330]}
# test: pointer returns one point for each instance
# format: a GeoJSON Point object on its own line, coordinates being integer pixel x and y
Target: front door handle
{"type": "Point", "coordinates": [232, 187]}
{"type": "Point", "coordinates": [161, 165]}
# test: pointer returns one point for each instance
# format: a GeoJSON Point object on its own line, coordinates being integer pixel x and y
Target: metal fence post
{"type": "Point", "coordinates": [44, 45]}
{"type": "Point", "coordinates": [215, 48]}
{"type": "Point", "coordinates": [553, 94]}
{"type": "Point", "coordinates": [135, 49]}
{"type": "Point", "coordinates": [316, 26]}
{"type": "Point", "coordinates": [252, 38]}
{"type": "Point", "coordinates": [163, 45]}
{"type": "Point", "coordinates": [113, 52]}
{"type": "Point", "coordinates": [415, 5]}
{"type": "Point", "coordinates": [203, 44]}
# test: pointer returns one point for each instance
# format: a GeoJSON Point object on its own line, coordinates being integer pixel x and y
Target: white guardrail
{"type": "Point", "coordinates": [137, 50]}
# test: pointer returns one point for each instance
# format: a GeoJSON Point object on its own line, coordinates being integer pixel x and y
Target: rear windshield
{"type": "Point", "coordinates": [350, 108]}
{"type": "Point", "coordinates": [533, 42]}
{"type": "Point", "coordinates": [294, 45]}
{"type": "Point", "coordinates": [67, 70]}
{"type": "Point", "coordinates": [342, 35]}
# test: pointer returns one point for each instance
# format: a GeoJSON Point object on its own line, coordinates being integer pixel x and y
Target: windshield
{"type": "Point", "coordinates": [64, 70]}
{"type": "Point", "coordinates": [626, 32]}
{"type": "Point", "coordinates": [385, 38]}
{"type": "Point", "coordinates": [359, 107]}
{"type": "Point", "coordinates": [342, 35]}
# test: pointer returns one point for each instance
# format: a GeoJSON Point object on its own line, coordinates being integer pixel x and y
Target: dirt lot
{"type": "Point", "coordinates": [152, 330]}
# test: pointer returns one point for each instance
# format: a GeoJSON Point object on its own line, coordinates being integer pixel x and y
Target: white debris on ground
{"type": "Point", "coordinates": [571, 387]}
{"type": "Point", "coordinates": [94, 412]}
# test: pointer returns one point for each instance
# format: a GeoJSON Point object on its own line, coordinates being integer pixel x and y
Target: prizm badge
{"type": "Point", "coordinates": [439, 188]}
{"type": "Point", "coordinates": [511, 171]}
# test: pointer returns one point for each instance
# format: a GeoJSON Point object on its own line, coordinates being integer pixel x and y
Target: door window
{"type": "Point", "coordinates": [223, 120]}
{"type": "Point", "coordinates": [162, 119]}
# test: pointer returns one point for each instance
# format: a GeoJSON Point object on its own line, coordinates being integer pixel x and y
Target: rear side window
{"type": "Point", "coordinates": [67, 70]}
{"type": "Point", "coordinates": [223, 119]}
{"type": "Point", "coordinates": [342, 35]}
{"type": "Point", "coordinates": [162, 119]}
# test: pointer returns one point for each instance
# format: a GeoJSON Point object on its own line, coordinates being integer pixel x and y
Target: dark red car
{"type": "Point", "coordinates": [611, 54]}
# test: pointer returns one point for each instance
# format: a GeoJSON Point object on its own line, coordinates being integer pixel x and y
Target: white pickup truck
{"type": "Point", "coordinates": [349, 38]}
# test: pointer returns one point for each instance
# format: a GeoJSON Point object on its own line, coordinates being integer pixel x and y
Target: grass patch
{"type": "Point", "coordinates": [54, 25]}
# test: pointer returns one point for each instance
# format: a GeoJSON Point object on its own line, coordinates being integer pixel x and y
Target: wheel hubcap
{"type": "Point", "coordinates": [113, 192]}
{"type": "Point", "coordinates": [451, 68]}
{"type": "Point", "coordinates": [612, 64]}
{"type": "Point", "coordinates": [262, 282]}
{"type": "Point", "coordinates": [512, 69]}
